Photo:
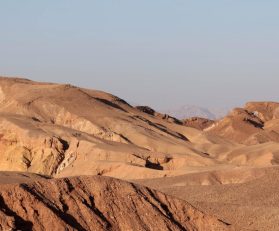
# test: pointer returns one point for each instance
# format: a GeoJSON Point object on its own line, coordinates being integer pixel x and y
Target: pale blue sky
{"type": "Point", "coordinates": [161, 53]}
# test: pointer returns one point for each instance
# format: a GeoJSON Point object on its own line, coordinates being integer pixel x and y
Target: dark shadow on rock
{"type": "Point", "coordinates": [20, 223]}
{"type": "Point", "coordinates": [163, 129]}
{"type": "Point", "coordinates": [111, 104]}
{"type": "Point", "coordinates": [155, 166]}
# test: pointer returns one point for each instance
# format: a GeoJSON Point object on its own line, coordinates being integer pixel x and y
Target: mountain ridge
{"type": "Point", "coordinates": [61, 131]}
{"type": "Point", "coordinates": [188, 111]}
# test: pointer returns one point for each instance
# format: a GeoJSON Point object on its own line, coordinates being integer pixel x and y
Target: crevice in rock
{"type": "Point", "coordinates": [67, 218]}
{"type": "Point", "coordinates": [163, 207]}
{"type": "Point", "coordinates": [70, 187]}
{"type": "Point", "coordinates": [96, 211]}
{"type": "Point", "coordinates": [166, 209]}
{"type": "Point", "coordinates": [19, 221]}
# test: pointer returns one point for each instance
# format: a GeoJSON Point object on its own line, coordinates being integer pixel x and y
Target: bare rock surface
{"type": "Point", "coordinates": [19, 177]}
{"type": "Point", "coordinates": [247, 125]}
{"type": "Point", "coordinates": [96, 203]}
{"type": "Point", "coordinates": [198, 123]}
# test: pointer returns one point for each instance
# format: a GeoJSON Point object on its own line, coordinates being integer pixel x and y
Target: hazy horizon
{"type": "Point", "coordinates": [215, 54]}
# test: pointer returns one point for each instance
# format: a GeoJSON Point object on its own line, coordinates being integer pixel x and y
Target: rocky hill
{"type": "Point", "coordinates": [96, 203]}
{"type": "Point", "coordinates": [50, 131]}
{"type": "Point", "coordinates": [256, 123]}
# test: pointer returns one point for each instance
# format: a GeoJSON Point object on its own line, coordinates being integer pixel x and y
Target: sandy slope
{"type": "Point", "coordinates": [244, 196]}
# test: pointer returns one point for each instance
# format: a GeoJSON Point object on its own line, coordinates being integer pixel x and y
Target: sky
{"type": "Point", "coordinates": [162, 53]}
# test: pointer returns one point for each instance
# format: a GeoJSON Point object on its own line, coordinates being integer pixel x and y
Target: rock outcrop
{"type": "Point", "coordinates": [96, 203]}
{"type": "Point", "coordinates": [253, 124]}
{"type": "Point", "coordinates": [198, 123]}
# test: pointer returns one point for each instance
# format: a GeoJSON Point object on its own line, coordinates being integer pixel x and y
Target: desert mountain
{"type": "Point", "coordinates": [188, 111]}
{"type": "Point", "coordinates": [96, 203]}
{"type": "Point", "coordinates": [52, 130]}
{"type": "Point", "coordinates": [56, 129]}
{"type": "Point", "coordinates": [63, 130]}
{"type": "Point", "coordinates": [256, 123]}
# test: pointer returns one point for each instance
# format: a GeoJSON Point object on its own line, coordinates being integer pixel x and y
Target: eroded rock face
{"type": "Point", "coordinates": [59, 129]}
{"type": "Point", "coordinates": [264, 110]}
{"type": "Point", "coordinates": [146, 109]}
{"type": "Point", "coordinates": [96, 203]}
{"type": "Point", "coordinates": [26, 146]}
{"type": "Point", "coordinates": [247, 125]}
{"type": "Point", "coordinates": [198, 123]}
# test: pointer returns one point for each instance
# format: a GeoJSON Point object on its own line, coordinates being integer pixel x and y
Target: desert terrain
{"type": "Point", "coordinates": [81, 159]}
